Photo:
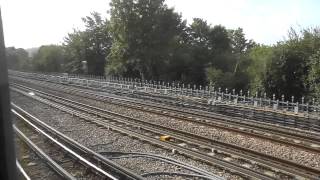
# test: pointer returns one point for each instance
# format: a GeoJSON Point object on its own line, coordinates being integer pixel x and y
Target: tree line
{"type": "Point", "coordinates": [148, 40]}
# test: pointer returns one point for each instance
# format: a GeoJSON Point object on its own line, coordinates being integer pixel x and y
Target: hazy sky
{"type": "Point", "coordinates": [32, 23]}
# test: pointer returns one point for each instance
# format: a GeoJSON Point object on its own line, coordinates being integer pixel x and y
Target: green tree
{"type": "Point", "coordinates": [314, 76]}
{"type": "Point", "coordinates": [229, 55]}
{"type": "Point", "coordinates": [74, 46]}
{"type": "Point", "coordinates": [210, 52]}
{"type": "Point", "coordinates": [17, 59]}
{"type": "Point", "coordinates": [49, 59]}
{"type": "Point", "coordinates": [199, 39]}
{"type": "Point", "coordinates": [290, 64]}
{"type": "Point", "coordinates": [260, 58]}
{"type": "Point", "coordinates": [220, 49]}
{"type": "Point", "coordinates": [180, 58]}
{"type": "Point", "coordinates": [240, 46]}
{"type": "Point", "coordinates": [143, 33]}
{"type": "Point", "coordinates": [91, 46]}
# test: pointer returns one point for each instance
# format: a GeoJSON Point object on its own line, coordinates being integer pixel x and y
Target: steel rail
{"type": "Point", "coordinates": [56, 167]}
{"type": "Point", "coordinates": [244, 171]}
{"type": "Point", "coordinates": [128, 155]}
{"type": "Point", "coordinates": [67, 149]}
{"type": "Point", "coordinates": [188, 111]}
{"type": "Point", "coordinates": [22, 171]}
{"type": "Point", "coordinates": [140, 93]}
{"type": "Point", "coordinates": [174, 174]}
{"type": "Point", "coordinates": [84, 117]}
{"type": "Point", "coordinates": [281, 131]}
{"type": "Point", "coordinates": [269, 161]}
{"type": "Point", "coordinates": [238, 126]}
{"type": "Point", "coordinates": [120, 172]}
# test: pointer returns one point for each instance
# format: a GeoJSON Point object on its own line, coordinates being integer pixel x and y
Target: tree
{"type": "Point", "coordinates": [314, 76]}
{"type": "Point", "coordinates": [220, 49]}
{"type": "Point", "coordinates": [91, 45]}
{"type": "Point", "coordinates": [143, 33]}
{"type": "Point", "coordinates": [260, 58]}
{"type": "Point", "coordinates": [286, 74]}
{"type": "Point", "coordinates": [49, 59]}
{"type": "Point", "coordinates": [17, 59]}
{"type": "Point", "coordinates": [199, 32]}
{"type": "Point", "coordinates": [98, 43]}
{"type": "Point", "coordinates": [240, 46]}
{"type": "Point", "coordinates": [199, 39]}
{"type": "Point", "coordinates": [146, 39]}
{"type": "Point", "coordinates": [210, 51]}
{"type": "Point", "coordinates": [178, 65]}
{"type": "Point", "coordinates": [290, 65]}
{"type": "Point", "coordinates": [228, 53]}
{"type": "Point", "coordinates": [219, 40]}
{"type": "Point", "coordinates": [74, 46]}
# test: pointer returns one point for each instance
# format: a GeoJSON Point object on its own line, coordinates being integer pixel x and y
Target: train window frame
{"type": "Point", "coordinates": [7, 150]}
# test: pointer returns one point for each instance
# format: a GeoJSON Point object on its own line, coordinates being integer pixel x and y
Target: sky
{"type": "Point", "coordinates": [32, 23]}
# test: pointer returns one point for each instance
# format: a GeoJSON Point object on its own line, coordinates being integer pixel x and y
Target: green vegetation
{"type": "Point", "coordinates": [49, 59]}
{"type": "Point", "coordinates": [147, 40]}
{"type": "Point", "coordinates": [91, 45]}
{"type": "Point", "coordinates": [18, 59]}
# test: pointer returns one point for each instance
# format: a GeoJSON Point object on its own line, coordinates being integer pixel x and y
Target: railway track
{"type": "Point", "coordinates": [203, 144]}
{"type": "Point", "coordinates": [195, 172]}
{"type": "Point", "coordinates": [149, 136]}
{"type": "Point", "coordinates": [300, 121]}
{"type": "Point", "coordinates": [69, 159]}
{"type": "Point", "coordinates": [22, 171]}
{"type": "Point", "coordinates": [46, 158]}
{"type": "Point", "coordinates": [275, 118]}
{"type": "Point", "coordinates": [292, 137]}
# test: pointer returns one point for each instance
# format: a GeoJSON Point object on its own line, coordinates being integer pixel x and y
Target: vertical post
{"type": "Point", "coordinates": [219, 94]}
{"type": "Point", "coordinates": [248, 92]}
{"type": "Point", "coordinates": [282, 99]}
{"type": "Point", "coordinates": [233, 95]}
{"type": "Point", "coordinates": [183, 90]}
{"type": "Point", "coordinates": [173, 88]}
{"type": "Point", "coordinates": [292, 101]}
{"type": "Point", "coordinates": [212, 91]}
{"type": "Point", "coordinates": [313, 105]}
{"type": "Point", "coordinates": [302, 103]}
{"type": "Point", "coordinates": [7, 152]}
{"type": "Point", "coordinates": [207, 91]}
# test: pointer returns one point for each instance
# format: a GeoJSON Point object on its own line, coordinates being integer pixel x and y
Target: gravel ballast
{"type": "Point", "coordinates": [261, 145]}
{"type": "Point", "coordinates": [33, 165]}
{"type": "Point", "coordinates": [101, 139]}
